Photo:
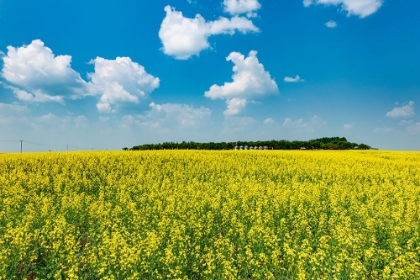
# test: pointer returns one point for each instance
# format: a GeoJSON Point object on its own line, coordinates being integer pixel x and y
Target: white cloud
{"type": "Point", "coordinates": [304, 126]}
{"type": "Point", "coordinates": [103, 119]}
{"type": "Point", "coordinates": [348, 126]}
{"type": "Point", "coordinates": [361, 8]}
{"type": "Point", "coordinates": [36, 96]}
{"type": "Point", "coordinates": [331, 24]}
{"type": "Point", "coordinates": [6, 109]}
{"type": "Point", "coordinates": [54, 124]}
{"type": "Point", "coordinates": [293, 80]}
{"type": "Point", "coordinates": [250, 80]}
{"type": "Point", "coordinates": [41, 76]}
{"type": "Point", "coordinates": [307, 3]}
{"type": "Point", "coordinates": [35, 74]}
{"type": "Point", "coordinates": [121, 80]}
{"type": "Point", "coordinates": [406, 122]}
{"type": "Point", "coordinates": [184, 37]}
{"type": "Point", "coordinates": [235, 106]}
{"type": "Point", "coordinates": [80, 121]}
{"type": "Point", "coordinates": [236, 7]}
{"type": "Point", "coordinates": [170, 114]}
{"type": "Point", "coordinates": [269, 121]}
{"type": "Point", "coordinates": [411, 127]}
{"type": "Point", "coordinates": [47, 117]}
{"type": "Point", "coordinates": [11, 114]}
{"type": "Point", "coordinates": [383, 130]}
{"type": "Point", "coordinates": [402, 112]}
{"type": "Point", "coordinates": [414, 129]}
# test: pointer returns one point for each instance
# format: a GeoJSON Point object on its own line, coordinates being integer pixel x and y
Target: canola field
{"type": "Point", "coordinates": [210, 215]}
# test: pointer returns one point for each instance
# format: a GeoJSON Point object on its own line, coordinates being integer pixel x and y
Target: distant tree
{"type": "Point", "coordinates": [316, 144]}
{"type": "Point", "coordinates": [364, 147]}
{"type": "Point", "coordinates": [320, 143]}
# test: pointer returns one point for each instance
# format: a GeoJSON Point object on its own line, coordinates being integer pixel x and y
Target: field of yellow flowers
{"type": "Point", "coordinates": [210, 215]}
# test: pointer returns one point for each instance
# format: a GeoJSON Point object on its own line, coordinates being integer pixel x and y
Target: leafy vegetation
{"type": "Point", "coordinates": [325, 143]}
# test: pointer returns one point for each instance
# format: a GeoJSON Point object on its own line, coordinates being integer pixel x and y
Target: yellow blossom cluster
{"type": "Point", "coordinates": [210, 215]}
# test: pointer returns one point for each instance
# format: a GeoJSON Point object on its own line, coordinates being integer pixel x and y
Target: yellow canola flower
{"type": "Point", "coordinates": [210, 215]}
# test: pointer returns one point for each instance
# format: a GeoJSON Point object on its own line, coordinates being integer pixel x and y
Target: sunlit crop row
{"type": "Point", "coordinates": [210, 215]}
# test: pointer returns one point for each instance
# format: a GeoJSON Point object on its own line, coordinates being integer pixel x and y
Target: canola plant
{"type": "Point", "coordinates": [210, 215]}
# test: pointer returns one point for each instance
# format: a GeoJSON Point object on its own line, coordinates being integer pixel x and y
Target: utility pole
{"type": "Point", "coordinates": [21, 141]}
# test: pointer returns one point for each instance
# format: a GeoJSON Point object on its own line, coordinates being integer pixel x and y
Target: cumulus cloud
{"type": "Point", "coordinates": [14, 118]}
{"type": "Point", "coordinates": [410, 126]}
{"type": "Point", "coordinates": [293, 80]}
{"type": "Point", "coordinates": [6, 109]}
{"type": "Point", "coordinates": [176, 114]}
{"type": "Point", "coordinates": [331, 24]}
{"type": "Point", "coordinates": [184, 37]}
{"type": "Point", "coordinates": [34, 74]}
{"type": "Point", "coordinates": [414, 129]}
{"type": "Point", "coordinates": [80, 121]}
{"type": "Point", "coordinates": [402, 112]}
{"type": "Point", "coordinates": [348, 126]}
{"type": "Point", "coordinates": [103, 119]}
{"type": "Point", "coordinates": [235, 106]}
{"type": "Point", "coordinates": [406, 122]}
{"type": "Point", "coordinates": [304, 126]}
{"type": "Point", "coordinates": [269, 121]}
{"type": "Point", "coordinates": [38, 75]}
{"type": "Point", "coordinates": [121, 80]}
{"type": "Point", "coordinates": [11, 114]}
{"type": "Point", "coordinates": [250, 80]}
{"type": "Point", "coordinates": [47, 118]}
{"type": "Point", "coordinates": [236, 7]}
{"type": "Point", "coordinates": [361, 8]}
{"type": "Point", "coordinates": [307, 3]}
{"type": "Point", "coordinates": [36, 96]}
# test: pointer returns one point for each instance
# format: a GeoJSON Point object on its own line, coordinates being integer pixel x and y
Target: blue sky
{"type": "Point", "coordinates": [111, 74]}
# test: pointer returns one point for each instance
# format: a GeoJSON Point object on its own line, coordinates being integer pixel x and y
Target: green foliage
{"type": "Point", "coordinates": [325, 143]}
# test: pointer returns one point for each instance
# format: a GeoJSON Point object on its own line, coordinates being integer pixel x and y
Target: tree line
{"type": "Point", "coordinates": [325, 143]}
